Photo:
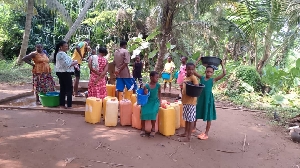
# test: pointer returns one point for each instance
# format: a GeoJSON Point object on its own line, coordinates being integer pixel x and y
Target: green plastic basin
{"type": "Point", "coordinates": [49, 101]}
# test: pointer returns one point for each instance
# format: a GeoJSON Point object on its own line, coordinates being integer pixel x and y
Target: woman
{"type": "Point", "coordinates": [98, 67]}
{"type": "Point", "coordinates": [42, 79]}
{"type": "Point", "coordinates": [64, 67]}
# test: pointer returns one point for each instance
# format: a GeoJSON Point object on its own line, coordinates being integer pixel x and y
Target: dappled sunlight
{"type": "Point", "coordinates": [10, 164]}
{"type": "Point", "coordinates": [113, 134]}
{"type": "Point", "coordinates": [254, 128]}
{"type": "Point", "coordinates": [39, 134]}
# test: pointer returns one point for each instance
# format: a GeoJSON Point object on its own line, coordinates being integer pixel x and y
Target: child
{"type": "Point", "coordinates": [206, 105]}
{"type": "Point", "coordinates": [137, 70]}
{"type": "Point", "coordinates": [189, 103]}
{"type": "Point", "coordinates": [169, 68]}
{"type": "Point", "coordinates": [149, 111]}
{"type": "Point", "coordinates": [182, 73]}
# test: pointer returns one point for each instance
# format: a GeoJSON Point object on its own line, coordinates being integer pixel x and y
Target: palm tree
{"type": "Point", "coordinates": [78, 21]}
{"type": "Point", "coordinates": [29, 15]}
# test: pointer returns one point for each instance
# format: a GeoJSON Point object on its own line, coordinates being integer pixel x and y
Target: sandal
{"type": "Point", "coordinates": [152, 134]}
{"type": "Point", "coordinates": [143, 134]}
{"type": "Point", "coordinates": [203, 137]}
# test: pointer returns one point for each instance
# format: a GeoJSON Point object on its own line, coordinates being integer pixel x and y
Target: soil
{"type": "Point", "coordinates": [46, 140]}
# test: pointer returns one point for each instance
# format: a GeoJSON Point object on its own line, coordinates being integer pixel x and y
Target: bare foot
{"type": "Point", "coordinates": [185, 140]}
{"type": "Point", "coordinates": [183, 135]}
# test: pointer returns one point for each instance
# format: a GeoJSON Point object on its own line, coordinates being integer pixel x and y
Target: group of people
{"type": "Point", "coordinates": [194, 108]}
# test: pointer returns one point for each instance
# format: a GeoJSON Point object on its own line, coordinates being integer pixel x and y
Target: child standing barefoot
{"type": "Point", "coordinates": [189, 103]}
{"type": "Point", "coordinates": [205, 108]}
{"type": "Point", "coordinates": [169, 68]}
{"type": "Point", "coordinates": [182, 73]}
{"type": "Point", "coordinates": [149, 111]}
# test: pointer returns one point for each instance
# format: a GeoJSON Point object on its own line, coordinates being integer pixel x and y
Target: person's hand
{"type": "Point", "coordinates": [102, 75]}
{"type": "Point", "coordinates": [199, 59]}
{"type": "Point", "coordinates": [222, 63]}
{"type": "Point", "coordinates": [117, 72]}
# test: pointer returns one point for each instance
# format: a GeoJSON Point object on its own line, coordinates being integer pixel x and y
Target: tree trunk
{"type": "Point", "coordinates": [169, 9]}
{"type": "Point", "coordinates": [267, 47]}
{"type": "Point", "coordinates": [24, 46]}
{"type": "Point", "coordinates": [54, 4]}
{"type": "Point", "coordinates": [78, 21]}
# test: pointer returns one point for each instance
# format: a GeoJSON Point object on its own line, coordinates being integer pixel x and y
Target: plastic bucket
{"type": "Point", "coordinates": [165, 76]}
{"type": "Point", "coordinates": [176, 75]}
{"type": "Point", "coordinates": [192, 90]}
{"type": "Point", "coordinates": [52, 94]}
{"type": "Point", "coordinates": [211, 61]}
{"type": "Point", "coordinates": [49, 101]}
{"type": "Point", "coordinates": [141, 98]}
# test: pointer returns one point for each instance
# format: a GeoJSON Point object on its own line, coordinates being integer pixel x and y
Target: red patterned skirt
{"type": "Point", "coordinates": [43, 83]}
{"type": "Point", "coordinates": [97, 89]}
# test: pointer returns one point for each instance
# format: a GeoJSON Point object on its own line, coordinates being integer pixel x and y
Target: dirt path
{"type": "Point", "coordinates": [36, 139]}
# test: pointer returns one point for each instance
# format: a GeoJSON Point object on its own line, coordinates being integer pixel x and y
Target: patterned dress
{"type": "Point", "coordinates": [97, 89]}
{"type": "Point", "coordinates": [42, 79]}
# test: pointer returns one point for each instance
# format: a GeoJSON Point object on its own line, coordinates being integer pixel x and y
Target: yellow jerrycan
{"type": "Point", "coordinates": [93, 110]}
{"type": "Point", "coordinates": [133, 99]}
{"type": "Point", "coordinates": [127, 94]}
{"type": "Point", "coordinates": [104, 104]}
{"type": "Point", "coordinates": [111, 90]}
{"type": "Point", "coordinates": [111, 115]}
{"type": "Point", "coordinates": [182, 122]}
{"type": "Point", "coordinates": [177, 114]}
{"type": "Point", "coordinates": [166, 119]}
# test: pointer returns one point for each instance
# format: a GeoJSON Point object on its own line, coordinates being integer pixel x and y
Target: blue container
{"type": "Point", "coordinates": [52, 94]}
{"type": "Point", "coordinates": [142, 99]}
{"type": "Point", "coordinates": [176, 75]}
{"type": "Point", "coordinates": [166, 75]}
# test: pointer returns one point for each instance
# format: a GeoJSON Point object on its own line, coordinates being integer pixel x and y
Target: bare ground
{"type": "Point", "coordinates": [35, 139]}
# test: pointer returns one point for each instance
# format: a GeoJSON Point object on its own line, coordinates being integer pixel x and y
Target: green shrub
{"type": "Point", "coordinates": [249, 75]}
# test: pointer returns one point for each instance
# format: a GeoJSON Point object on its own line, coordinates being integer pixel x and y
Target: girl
{"type": "Point", "coordinates": [169, 68]}
{"type": "Point", "coordinates": [99, 67]}
{"type": "Point", "coordinates": [182, 73]}
{"type": "Point", "coordinates": [149, 111]}
{"type": "Point", "coordinates": [42, 79]}
{"type": "Point", "coordinates": [137, 70]}
{"type": "Point", "coordinates": [205, 108]}
{"type": "Point", "coordinates": [64, 67]}
{"type": "Point", "coordinates": [189, 103]}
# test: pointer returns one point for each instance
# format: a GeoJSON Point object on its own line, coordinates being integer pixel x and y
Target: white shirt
{"type": "Point", "coordinates": [63, 62]}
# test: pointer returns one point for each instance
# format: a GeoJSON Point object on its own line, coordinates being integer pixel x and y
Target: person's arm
{"type": "Point", "coordinates": [222, 75]}
{"type": "Point", "coordinates": [142, 67]}
{"type": "Point", "coordinates": [78, 47]}
{"type": "Point", "coordinates": [197, 75]}
{"type": "Point", "coordinates": [145, 90]}
{"type": "Point", "coordinates": [104, 72]}
{"type": "Point", "coordinates": [195, 81]}
{"type": "Point", "coordinates": [159, 95]}
{"type": "Point", "coordinates": [198, 60]}
{"type": "Point", "coordinates": [28, 58]}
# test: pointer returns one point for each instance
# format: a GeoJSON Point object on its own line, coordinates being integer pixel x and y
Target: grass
{"type": "Point", "coordinates": [256, 101]}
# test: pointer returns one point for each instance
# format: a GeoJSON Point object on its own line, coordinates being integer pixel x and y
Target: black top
{"type": "Point", "coordinates": [137, 73]}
